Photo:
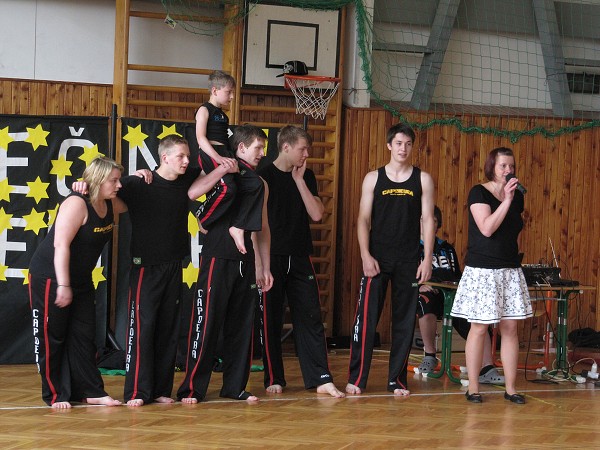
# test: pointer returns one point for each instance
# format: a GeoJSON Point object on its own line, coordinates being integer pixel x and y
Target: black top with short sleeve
{"type": "Point", "coordinates": [159, 217]}
{"type": "Point", "coordinates": [288, 219]}
{"type": "Point", "coordinates": [501, 249]}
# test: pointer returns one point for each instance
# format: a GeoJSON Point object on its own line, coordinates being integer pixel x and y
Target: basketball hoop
{"type": "Point", "coordinates": [313, 93]}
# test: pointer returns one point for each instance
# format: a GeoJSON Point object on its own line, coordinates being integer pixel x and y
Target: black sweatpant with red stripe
{"type": "Point", "coordinates": [64, 342]}
{"type": "Point", "coordinates": [248, 215]}
{"type": "Point", "coordinates": [368, 311]}
{"type": "Point", "coordinates": [294, 277]}
{"type": "Point", "coordinates": [152, 330]}
{"type": "Point", "coordinates": [226, 299]}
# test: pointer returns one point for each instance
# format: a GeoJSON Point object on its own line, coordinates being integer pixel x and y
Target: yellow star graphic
{"type": "Point", "coordinates": [37, 189]}
{"type": "Point", "coordinates": [61, 167]}
{"type": "Point", "coordinates": [34, 221]}
{"type": "Point", "coordinates": [5, 138]}
{"type": "Point", "coordinates": [168, 131]}
{"type": "Point", "coordinates": [193, 227]}
{"type": "Point", "coordinates": [266, 130]}
{"type": "Point", "coordinates": [135, 136]}
{"type": "Point", "coordinates": [52, 215]}
{"type": "Point", "coordinates": [5, 221]}
{"type": "Point", "coordinates": [97, 276]}
{"type": "Point", "coordinates": [190, 275]}
{"type": "Point", "coordinates": [25, 273]}
{"type": "Point", "coordinates": [5, 190]}
{"type": "Point", "coordinates": [37, 137]}
{"type": "Point", "coordinates": [3, 272]}
{"type": "Point", "coordinates": [89, 153]}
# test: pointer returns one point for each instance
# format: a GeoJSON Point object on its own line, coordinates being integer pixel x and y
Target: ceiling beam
{"type": "Point", "coordinates": [554, 61]}
{"type": "Point", "coordinates": [431, 64]}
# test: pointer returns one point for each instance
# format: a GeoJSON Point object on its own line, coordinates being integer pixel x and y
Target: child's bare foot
{"type": "Point", "coordinates": [201, 228]}
{"type": "Point", "coordinates": [352, 389]}
{"type": "Point", "coordinates": [275, 389]}
{"type": "Point", "coordinates": [61, 405]}
{"type": "Point", "coordinates": [164, 400]}
{"type": "Point", "coordinates": [106, 401]}
{"type": "Point", "coordinates": [329, 388]}
{"type": "Point", "coordinates": [189, 400]}
{"type": "Point", "coordinates": [402, 392]}
{"type": "Point", "coordinates": [238, 237]}
{"type": "Point", "coordinates": [135, 402]}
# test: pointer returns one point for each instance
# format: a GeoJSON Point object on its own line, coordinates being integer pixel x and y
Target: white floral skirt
{"type": "Point", "coordinates": [492, 295]}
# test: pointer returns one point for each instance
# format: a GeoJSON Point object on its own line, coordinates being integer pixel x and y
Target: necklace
{"type": "Point", "coordinates": [497, 191]}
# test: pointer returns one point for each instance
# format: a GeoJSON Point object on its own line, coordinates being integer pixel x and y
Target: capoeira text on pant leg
{"type": "Point", "coordinates": [36, 339]}
{"type": "Point", "coordinates": [199, 321]}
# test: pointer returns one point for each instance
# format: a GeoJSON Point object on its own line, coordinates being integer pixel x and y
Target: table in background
{"type": "Point", "coordinates": [561, 295]}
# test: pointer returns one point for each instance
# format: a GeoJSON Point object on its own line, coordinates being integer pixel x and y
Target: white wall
{"type": "Point", "coordinates": [73, 40]}
{"type": "Point", "coordinates": [478, 69]}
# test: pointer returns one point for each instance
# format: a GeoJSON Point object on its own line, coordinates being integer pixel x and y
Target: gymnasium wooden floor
{"type": "Point", "coordinates": [561, 415]}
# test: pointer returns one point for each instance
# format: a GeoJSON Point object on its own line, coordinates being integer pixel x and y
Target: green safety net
{"type": "Point", "coordinates": [537, 59]}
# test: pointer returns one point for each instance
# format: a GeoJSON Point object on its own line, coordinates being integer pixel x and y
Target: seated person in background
{"type": "Point", "coordinates": [431, 307]}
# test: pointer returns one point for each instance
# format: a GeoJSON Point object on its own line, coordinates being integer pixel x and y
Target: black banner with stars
{"type": "Point", "coordinates": [40, 157]}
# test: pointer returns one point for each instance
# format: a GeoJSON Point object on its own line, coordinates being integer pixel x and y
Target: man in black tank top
{"type": "Point", "coordinates": [393, 201]}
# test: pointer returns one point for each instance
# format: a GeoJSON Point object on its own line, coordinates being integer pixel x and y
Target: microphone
{"type": "Point", "coordinates": [520, 187]}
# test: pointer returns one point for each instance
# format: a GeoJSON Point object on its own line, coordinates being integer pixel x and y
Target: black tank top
{"type": "Point", "coordinates": [217, 126]}
{"type": "Point", "coordinates": [86, 247]}
{"type": "Point", "coordinates": [396, 217]}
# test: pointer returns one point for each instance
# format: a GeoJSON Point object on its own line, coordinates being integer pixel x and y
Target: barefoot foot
{"type": "Point", "coordinates": [201, 228]}
{"type": "Point", "coordinates": [352, 389]}
{"type": "Point", "coordinates": [164, 400]}
{"type": "Point", "coordinates": [238, 237]}
{"type": "Point", "coordinates": [402, 392]}
{"type": "Point", "coordinates": [61, 405]}
{"type": "Point", "coordinates": [248, 397]}
{"type": "Point", "coordinates": [106, 401]}
{"type": "Point", "coordinates": [329, 388]}
{"type": "Point", "coordinates": [189, 400]}
{"type": "Point", "coordinates": [135, 402]}
{"type": "Point", "coordinates": [275, 389]}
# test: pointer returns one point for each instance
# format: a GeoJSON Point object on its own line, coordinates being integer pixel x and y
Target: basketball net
{"type": "Point", "coordinates": [312, 93]}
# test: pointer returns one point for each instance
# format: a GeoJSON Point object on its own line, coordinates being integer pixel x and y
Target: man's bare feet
{"type": "Point", "coordinates": [61, 405]}
{"type": "Point", "coordinates": [106, 401]}
{"type": "Point", "coordinates": [329, 388]}
{"type": "Point", "coordinates": [164, 400]}
{"type": "Point", "coordinates": [135, 402]}
{"type": "Point", "coordinates": [275, 389]}
{"type": "Point", "coordinates": [245, 395]}
{"type": "Point", "coordinates": [189, 400]}
{"type": "Point", "coordinates": [402, 392]}
{"type": "Point", "coordinates": [352, 389]}
{"type": "Point", "coordinates": [238, 237]}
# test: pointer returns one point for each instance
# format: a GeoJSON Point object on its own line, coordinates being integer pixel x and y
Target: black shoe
{"type": "Point", "coordinates": [473, 398]}
{"type": "Point", "coordinates": [515, 398]}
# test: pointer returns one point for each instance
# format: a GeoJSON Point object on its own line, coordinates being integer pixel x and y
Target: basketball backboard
{"type": "Point", "coordinates": [275, 34]}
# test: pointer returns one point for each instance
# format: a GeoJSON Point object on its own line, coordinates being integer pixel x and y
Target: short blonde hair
{"type": "Point", "coordinates": [97, 172]}
{"type": "Point", "coordinates": [291, 134]}
{"type": "Point", "coordinates": [219, 79]}
{"type": "Point", "coordinates": [167, 143]}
